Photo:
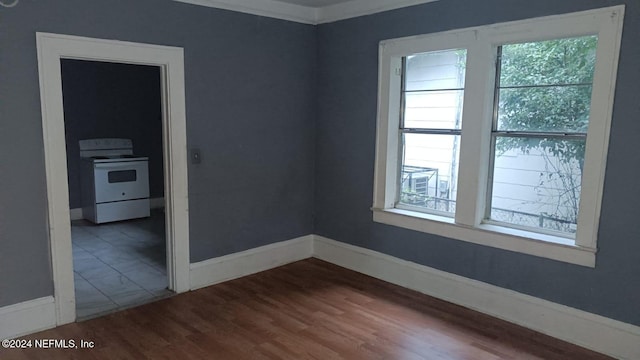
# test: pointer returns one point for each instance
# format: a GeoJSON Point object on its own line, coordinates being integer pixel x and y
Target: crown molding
{"type": "Point", "coordinates": [307, 14]}
{"type": "Point", "coordinates": [268, 8]}
{"type": "Point", "coordinates": [355, 8]}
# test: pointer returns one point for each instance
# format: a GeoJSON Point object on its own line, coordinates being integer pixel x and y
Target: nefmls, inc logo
{"type": "Point", "coordinates": [55, 344]}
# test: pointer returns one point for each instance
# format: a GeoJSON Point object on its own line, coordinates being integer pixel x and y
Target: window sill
{"type": "Point", "coordinates": [546, 246]}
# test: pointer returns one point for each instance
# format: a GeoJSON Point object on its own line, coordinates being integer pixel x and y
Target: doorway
{"type": "Point", "coordinates": [113, 132]}
{"type": "Point", "coordinates": [52, 48]}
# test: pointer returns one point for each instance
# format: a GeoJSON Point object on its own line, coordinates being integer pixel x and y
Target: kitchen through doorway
{"type": "Point", "coordinates": [113, 135]}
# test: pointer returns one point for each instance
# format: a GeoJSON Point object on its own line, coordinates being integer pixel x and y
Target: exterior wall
{"type": "Point", "coordinates": [539, 184]}
{"type": "Point", "coordinates": [345, 139]}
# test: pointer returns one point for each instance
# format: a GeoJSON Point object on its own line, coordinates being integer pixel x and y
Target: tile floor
{"type": "Point", "coordinates": [118, 265]}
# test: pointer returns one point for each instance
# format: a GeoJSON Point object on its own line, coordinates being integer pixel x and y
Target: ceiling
{"type": "Point", "coordinates": [308, 11]}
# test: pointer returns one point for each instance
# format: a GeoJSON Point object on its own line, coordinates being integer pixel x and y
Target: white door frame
{"type": "Point", "coordinates": [51, 49]}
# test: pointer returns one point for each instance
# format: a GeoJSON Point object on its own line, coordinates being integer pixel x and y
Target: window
{"type": "Point", "coordinates": [430, 124]}
{"type": "Point", "coordinates": [498, 135]}
{"type": "Point", "coordinates": [542, 100]}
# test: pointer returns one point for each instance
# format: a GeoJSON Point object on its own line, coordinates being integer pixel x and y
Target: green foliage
{"type": "Point", "coordinates": [562, 71]}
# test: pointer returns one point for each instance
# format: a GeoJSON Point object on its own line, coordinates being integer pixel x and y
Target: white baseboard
{"type": "Point", "coordinates": [598, 333]}
{"type": "Point", "coordinates": [154, 203]}
{"type": "Point", "coordinates": [27, 317]}
{"type": "Point", "coordinates": [233, 266]}
{"type": "Point", "coordinates": [76, 214]}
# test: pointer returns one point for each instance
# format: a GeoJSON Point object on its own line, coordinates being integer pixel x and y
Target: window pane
{"type": "Point", "coordinates": [552, 62]}
{"type": "Point", "coordinates": [429, 172]}
{"type": "Point", "coordinates": [546, 86]}
{"type": "Point", "coordinates": [537, 182]}
{"type": "Point", "coordinates": [436, 70]}
{"type": "Point", "coordinates": [545, 109]}
{"type": "Point", "coordinates": [433, 109]}
{"type": "Point", "coordinates": [433, 89]}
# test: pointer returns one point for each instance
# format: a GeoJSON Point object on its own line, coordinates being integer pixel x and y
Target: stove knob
{"type": "Point", "coordinates": [122, 194]}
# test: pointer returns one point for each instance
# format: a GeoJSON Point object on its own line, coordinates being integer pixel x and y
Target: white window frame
{"type": "Point", "coordinates": [481, 44]}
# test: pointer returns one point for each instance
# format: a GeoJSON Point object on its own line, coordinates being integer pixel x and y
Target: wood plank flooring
{"type": "Point", "coordinates": [306, 310]}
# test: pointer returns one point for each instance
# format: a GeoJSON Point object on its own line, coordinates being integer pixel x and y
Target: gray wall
{"type": "Point", "coordinates": [107, 100]}
{"type": "Point", "coordinates": [250, 98]}
{"type": "Point", "coordinates": [346, 125]}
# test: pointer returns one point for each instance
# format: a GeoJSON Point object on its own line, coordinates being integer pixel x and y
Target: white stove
{"type": "Point", "coordinates": [114, 181]}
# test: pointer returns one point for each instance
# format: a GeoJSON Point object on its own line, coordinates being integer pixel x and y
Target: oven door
{"type": "Point", "coordinates": [117, 181]}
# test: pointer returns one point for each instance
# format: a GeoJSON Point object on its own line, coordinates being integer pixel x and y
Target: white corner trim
{"type": "Point", "coordinates": [307, 14]}
{"type": "Point", "coordinates": [268, 8]}
{"type": "Point", "coordinates": [233, 266]}
{"type": "Point", "coordinates": [27, 317]}
{"type": "Point", "coordinates": [355, 8]}
{"type": "Point", "coordinates": [595, 332]}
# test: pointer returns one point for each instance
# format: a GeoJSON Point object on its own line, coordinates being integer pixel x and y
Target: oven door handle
{"type": "Point", "coordinates": [123, 165]}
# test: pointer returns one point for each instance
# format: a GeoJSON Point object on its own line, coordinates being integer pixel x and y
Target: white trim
{"type": "Point", "coordinates": [355, 8]}
{"type": "Point", "coordinates": [474, 165]}
{"type": "Point", "coordinates": [268, 8]}
{"type": "Point", "coordinates": [51, 48]}
{"type": "Point", "coordinates": [475, 151]}
{"type": "Point", "coordinates": [233, 266]}
{"type": "Point", "coordinates": [551, 247]}
{"type": "Point", "coordinates": [27, 317]}
{"type": "Point", "coordinates": [154, 203]}
{"type": "Point", "coordinates": [307, 14]}
{"type": "Point", "coordinates": [602, 99]}
{"type": "Point", "coordinates": [611, 337]}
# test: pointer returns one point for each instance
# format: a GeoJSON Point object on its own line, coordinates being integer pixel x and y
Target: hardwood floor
{"type": "Point", "coordinates": [306, 310]}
